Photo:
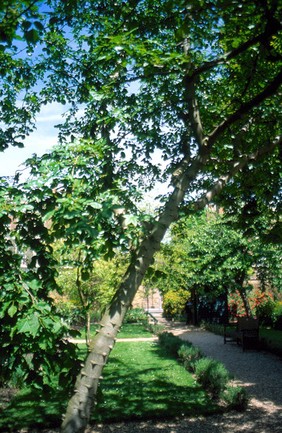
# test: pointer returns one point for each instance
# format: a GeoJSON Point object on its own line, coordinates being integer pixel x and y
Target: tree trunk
{"type": "Point", "coordinates": [243, 295]}
{"type": "Point", "coordinates": [87, 328]}
{"type": "Point", "coordinates": [245, 301]}
{"type": "Point", "coordinates": [80, 405]}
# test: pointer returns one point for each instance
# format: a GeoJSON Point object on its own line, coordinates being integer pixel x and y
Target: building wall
{"type": "Point", "coordinates": [147, 299]}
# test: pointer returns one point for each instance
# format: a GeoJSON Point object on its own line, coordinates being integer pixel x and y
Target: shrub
{"type": "Point", "coordinates": [215, 328]}
{"type": "Point", "coordinates": [189, 355]}
{"type": "Point", "coordinates": [264, 312]}
{"type": "Point", "coordinates": [69, 310]}
{"type": "Point", "coordinates": [174, 303]}
{"type": "Point", "coordinates": [156, 329]}
{"type": "Point", "coordinates": [212, 375]}
{"type": "Point", "coordinates": [136, 315]}
{"type": "Point", "coordinates": [235, 397]}
{"type": "Point", "coordinates": [170, 343]}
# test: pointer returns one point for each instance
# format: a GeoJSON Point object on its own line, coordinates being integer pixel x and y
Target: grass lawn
{"type": "Point", "coordinates": [140, 381]}
{"type": "Point", "coordinates": [272, 339]}
{"type": "Point", "coordinates": [128, 330]}
{"type": "Point", "coordinates": [134, 330]}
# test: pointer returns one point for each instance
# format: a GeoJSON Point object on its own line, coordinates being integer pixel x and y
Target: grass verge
{"type": "Point", "coordinates": [128, 330]}
{"type": "Point", "coordinates": [140, 381]}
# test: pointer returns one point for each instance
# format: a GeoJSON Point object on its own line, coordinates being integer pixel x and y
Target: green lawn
{"type": "Point", "coordinates": [134, 330]}
{"type": "Point", "coordinates": [271, 339]}
{"type": "Point", "coordinates": [128, 330]}
{"type": "Point", "coordinates": [140, 381]}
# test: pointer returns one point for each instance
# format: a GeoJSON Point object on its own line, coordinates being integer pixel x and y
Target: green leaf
{"type": "Point", "coordinates": [95, 205]}
{"type": "Point", "coordinates": [12, 310]}
{"type": "Point", "coordinates": [32, 36]}
{"type": "Point", "coordinates": [35, 284]}
{"type": "Point", "coordinates": [29, 325]}
{"type": "Point", "coordinates": [49, 215]}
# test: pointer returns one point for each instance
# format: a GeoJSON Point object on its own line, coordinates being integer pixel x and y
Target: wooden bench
{"type": "Point", "coordinates": [244, 331]}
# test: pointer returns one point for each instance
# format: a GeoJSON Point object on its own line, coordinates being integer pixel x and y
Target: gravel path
{"type": "Point", "coordinates": [260, 372]}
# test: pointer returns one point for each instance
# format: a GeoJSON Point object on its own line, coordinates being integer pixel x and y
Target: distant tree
{"type": "Point", "coordinates": [211, 256]}
{"type": "Point", "coordinates": [89, 296]}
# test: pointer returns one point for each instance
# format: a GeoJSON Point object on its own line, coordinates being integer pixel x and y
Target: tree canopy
{"type": "Point", "coordinates": [209, 256]}
{"type": "Point", "coordinates": [185, 96]}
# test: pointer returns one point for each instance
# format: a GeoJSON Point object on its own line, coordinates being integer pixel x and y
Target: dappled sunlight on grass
{"type": "Point", "coordinates": [30, 408]}
{"type": "Point", "coordinates": [141, 381]}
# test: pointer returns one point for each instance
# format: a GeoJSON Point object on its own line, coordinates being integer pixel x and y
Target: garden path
{"type": "Point", "coordinates": [259, 371]}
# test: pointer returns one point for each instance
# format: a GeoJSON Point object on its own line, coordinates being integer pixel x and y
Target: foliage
{"type": "Point", "coordinates": [174, 302]}
{"type": "Point", "coordinates": [277, 315]}
{"type": "Point", "coordinates": [156, 328]}
{"type": "Point", "coordinates": [214, 257]}
{"type": "Point", "coordinates": [41, 212]}
{"type": "Point", "coordinates": [136, 315]}
{"type": "Point", "coordinates": [33, 340]}
{"type": "Point", "coordinates": [212, 375]}
{"type": "Point", "coordinates": [32, 334]}
{"type": "Point", "coordinates": [69, 310]}
{"type": "Point", "coordinates": [21, 27]}
{"type": "Point", "coordinates": [94, 293]}
{"type": "Point", "coordinates": [235, 397]}
{"type": "Point", "coordinates": [189, 355]}
{"type": "Point", "coordinates": [197, 85]}
{"type": "Point", "coordinates": [264, 312]}
{"type": "Point", "coordinates": [170, 343]}
{"type": "Point", "coordinates": [261, 303]}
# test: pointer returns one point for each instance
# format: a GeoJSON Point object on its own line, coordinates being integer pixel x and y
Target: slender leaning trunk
{"type": "Point", "coordinates": [80, 405]}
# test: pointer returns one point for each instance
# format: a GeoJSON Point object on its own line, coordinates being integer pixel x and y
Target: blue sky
{"type": "Point", "coordinates": [38, 142]}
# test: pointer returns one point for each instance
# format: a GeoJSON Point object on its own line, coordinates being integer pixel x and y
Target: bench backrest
{"type": "Point", "coordinates": [247, 323]}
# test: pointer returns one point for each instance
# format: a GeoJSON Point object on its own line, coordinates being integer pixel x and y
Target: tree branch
{"type": "Point", "coordinates": [269, 90]}
{"type": "Point", "coordinates": [236, 167]}
{"type": "Point", "coordinates": [228, 56]}
{"type": "Point", "coordinates": [193, 110]}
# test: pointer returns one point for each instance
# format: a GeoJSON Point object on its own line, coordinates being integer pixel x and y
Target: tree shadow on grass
{"type": "Point", "coordinates": [138, 389]}
{"type": "Point", "coordinates": [32, 409]}
{"type": "Point", "coordinates": [141, 392]}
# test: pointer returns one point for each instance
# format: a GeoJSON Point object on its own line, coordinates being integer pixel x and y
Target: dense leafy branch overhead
{"type": "Point", "coordinates": [21, 28]}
